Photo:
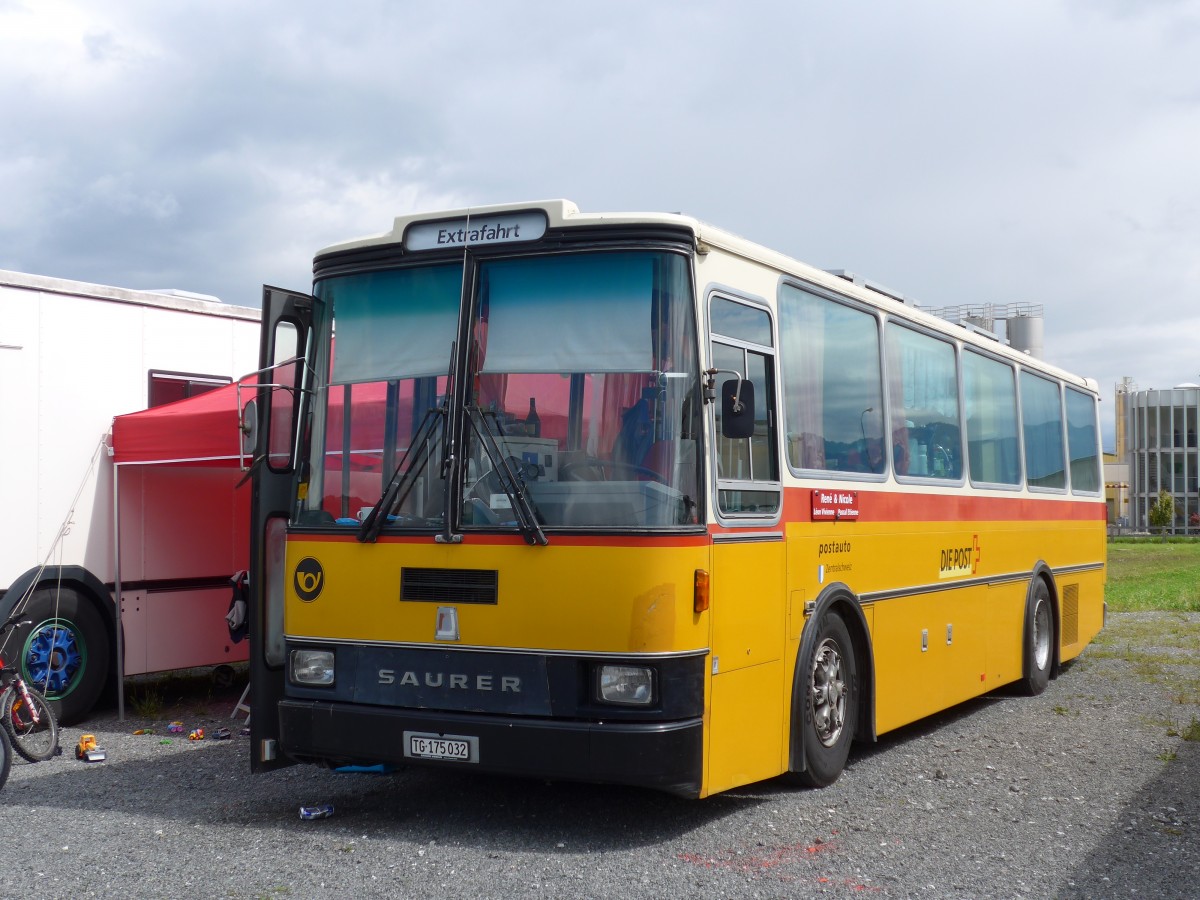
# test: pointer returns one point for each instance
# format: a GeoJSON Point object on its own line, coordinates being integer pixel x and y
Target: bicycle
{"type": "Point", "coordinates": [5, 756]}
{"type": "Point", "coordinates": [29, 722]}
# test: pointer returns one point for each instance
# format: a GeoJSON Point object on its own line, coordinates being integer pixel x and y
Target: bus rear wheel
{"type": "Point", "coordinates": [65, 652]}
{"type": "Point", "coordinates": [830, 702]}
{"type": "Point", "coordinates": [1039, 640]}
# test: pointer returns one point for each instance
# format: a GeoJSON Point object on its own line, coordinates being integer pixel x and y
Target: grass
{"type": "Point", "coordinates": [146, 701]}
{"type": "Point", "coordinates": [190, 692]}
{"type": "Point", "coordinates": [1192, 732]}
{"type": "Point", "coordinates": [1163, 650]}
{"type": "Point", "coordinates": [1156, 576]}
{"type": "Point", "coordinates": [1150, 575]}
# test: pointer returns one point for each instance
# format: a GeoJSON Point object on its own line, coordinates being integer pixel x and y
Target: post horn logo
{"type": "Point", "coordinates": [309, 579]}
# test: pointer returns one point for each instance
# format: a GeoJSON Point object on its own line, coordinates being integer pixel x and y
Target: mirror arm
{"type": "Point", "coordinates": [710, 389]}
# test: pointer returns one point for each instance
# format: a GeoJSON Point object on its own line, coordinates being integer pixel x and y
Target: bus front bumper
{"type": "Point", "coordinates": [663, 756]}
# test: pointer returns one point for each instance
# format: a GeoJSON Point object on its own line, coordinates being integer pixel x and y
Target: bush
{"type": "Point", "coordinates": [1162, 513]}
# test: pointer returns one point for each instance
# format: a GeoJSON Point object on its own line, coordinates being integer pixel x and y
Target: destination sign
{"type": "Point", "coordinates": [504, 228]}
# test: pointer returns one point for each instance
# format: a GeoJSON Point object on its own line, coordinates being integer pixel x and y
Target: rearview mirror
{"type": "Point", "coordinates": [737, 408]}
{"type": "Point", "coordinates": [248, 426]}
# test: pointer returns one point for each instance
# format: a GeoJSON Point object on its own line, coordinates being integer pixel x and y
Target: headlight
{"type": "Point", "coordinates": [311, 667]}
{"type": "Point", "coordinates": [627, 685]}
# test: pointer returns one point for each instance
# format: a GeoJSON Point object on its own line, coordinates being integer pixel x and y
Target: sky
{"type": "Point", "coordinates": [986, 152]}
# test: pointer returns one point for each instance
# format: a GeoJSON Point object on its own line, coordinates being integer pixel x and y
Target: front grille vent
{"type": "Point", "coordinates": [449, 585]}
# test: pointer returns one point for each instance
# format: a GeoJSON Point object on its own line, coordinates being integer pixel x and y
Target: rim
{"type": "Point", "coordinates": [828, 689]}
{"type": "Point", "coordinates": [54, 654]}
{"type": "Point", "coordinates": [1041, 634]}
{"type": "Point", "coordinates": [36, 738]}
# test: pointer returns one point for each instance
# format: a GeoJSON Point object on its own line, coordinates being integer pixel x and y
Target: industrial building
{"type": "Point", "coordinates": [1156, 438]}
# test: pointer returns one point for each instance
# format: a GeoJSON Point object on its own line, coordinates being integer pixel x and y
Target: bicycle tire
{"type": "Point", "coordinates": [5, 756]}
{"type": "Point", "coordinates": [35, 741]}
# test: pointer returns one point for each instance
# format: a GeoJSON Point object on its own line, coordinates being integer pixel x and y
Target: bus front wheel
{"type": "Point", "coordinates": [830, 702]}
{"type": "Point", "coordinates": [1039, 639]}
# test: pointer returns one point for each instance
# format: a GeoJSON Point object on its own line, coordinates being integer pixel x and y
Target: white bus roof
{"type": "Point", "coordinates": [565, 214]}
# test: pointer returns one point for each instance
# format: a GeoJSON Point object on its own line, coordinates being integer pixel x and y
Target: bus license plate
{"type": "Point", "coordinates": [452, 747]}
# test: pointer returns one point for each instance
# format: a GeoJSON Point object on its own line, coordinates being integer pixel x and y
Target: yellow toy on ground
{"type": "Point", "coordinates": [87, 751]}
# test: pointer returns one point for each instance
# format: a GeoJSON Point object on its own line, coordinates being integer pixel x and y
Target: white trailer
{"type": "Point", "coordinates": [73, 356]}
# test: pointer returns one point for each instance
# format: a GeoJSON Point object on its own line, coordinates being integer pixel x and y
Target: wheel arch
{"type": "Point", "coordinates": [1041, 572]}
{"type": "Point", "coordinates": [837, 598]}
{"type": "Point", "coordinates": [83, 582]}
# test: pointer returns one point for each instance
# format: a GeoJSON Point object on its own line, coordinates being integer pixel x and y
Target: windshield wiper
{"type": "Point", "coordinates": [510, 480]}
{"type": "Point", "coordinates": [415, 458]}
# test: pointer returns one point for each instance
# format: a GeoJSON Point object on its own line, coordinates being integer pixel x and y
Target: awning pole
{"type": "Point", "coordinates": [117, 591]}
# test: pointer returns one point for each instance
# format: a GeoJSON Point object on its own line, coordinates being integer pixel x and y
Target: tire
{"type": "Point", "coordinates": [36, 741]}
{"type": "Point", "coordinates": [1038, 639]}
{"type": "Point", "coordinates": [65, 652]}
{"type": "Point", "coordinates": [829, 705]}
{"type": "Point", "coordinates": [5, 756]}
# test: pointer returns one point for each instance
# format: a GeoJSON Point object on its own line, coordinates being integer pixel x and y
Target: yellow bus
{"type": "Point", "coordinates": [625, 498]}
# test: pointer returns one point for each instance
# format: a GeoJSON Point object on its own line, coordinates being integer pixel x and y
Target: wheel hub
{"type": "Point", "coordinates": [828, 691]}
{"type": "Point", "coordinates": [1042, 631]}
{"type": "Point", "coordinates": [52, 657]}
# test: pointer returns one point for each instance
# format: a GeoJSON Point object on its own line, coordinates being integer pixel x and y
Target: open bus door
{"type": "Point", "coordinates": [272, 419]}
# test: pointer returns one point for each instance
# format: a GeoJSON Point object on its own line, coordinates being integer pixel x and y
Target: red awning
{"type": "Point", "coordinates": [199, 431]}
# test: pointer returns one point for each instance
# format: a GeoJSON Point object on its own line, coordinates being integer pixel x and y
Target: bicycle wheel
{"type": "Point", "coordinates": [5, 756]}
{"type": "Point", "coordinates": [35, 739]}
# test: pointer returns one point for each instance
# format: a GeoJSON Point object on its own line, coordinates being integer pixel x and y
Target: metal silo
{"type": "Point", "coordinates": [1026, 332]}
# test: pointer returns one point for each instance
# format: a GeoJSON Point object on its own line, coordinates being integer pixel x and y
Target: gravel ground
{"type": "Point", "coordinates": [1087, 791]}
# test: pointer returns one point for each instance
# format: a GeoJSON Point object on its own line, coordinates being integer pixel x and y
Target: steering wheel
{"type": "Point", "coordinates": [492, 481]}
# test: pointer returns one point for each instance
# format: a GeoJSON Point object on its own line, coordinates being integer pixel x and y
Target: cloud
{"type": "Point", "coordinates": [991, 152]}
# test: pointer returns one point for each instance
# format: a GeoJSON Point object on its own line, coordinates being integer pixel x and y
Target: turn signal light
{"type": "Point", "coordinates": [700, 591]}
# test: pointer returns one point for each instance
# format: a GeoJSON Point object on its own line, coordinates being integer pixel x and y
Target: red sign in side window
{"type": "Point", "coordinates": [835, 505]}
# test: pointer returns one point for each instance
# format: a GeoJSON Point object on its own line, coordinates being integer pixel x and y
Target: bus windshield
{"type": "Point", "coordinates": [577, 399]}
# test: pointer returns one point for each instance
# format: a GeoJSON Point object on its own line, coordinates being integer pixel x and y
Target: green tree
{"type": "Point", "coordinates": [1162, 513]}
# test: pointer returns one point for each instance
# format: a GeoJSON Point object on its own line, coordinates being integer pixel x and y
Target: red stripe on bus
{"type": "Point", "coordinates": [893, 506]}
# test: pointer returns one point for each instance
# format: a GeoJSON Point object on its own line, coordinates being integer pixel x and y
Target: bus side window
{"type": "Point", "coordinates": [993, 442]}
{"type": "Point", "coordinates": [923, 384]}
{"type": "Point", "coordinates": [832, 384]}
